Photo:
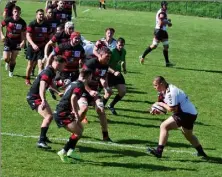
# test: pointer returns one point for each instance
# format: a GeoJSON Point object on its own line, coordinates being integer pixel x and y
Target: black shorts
{"type": "Point", "coordinates": [185, 120]}
{"type": "Point", "coordinates": [33, 101]}
{"type": "Point", "coordinates": [34, 55]}
{"type": "Point", "coordinates": [91, 100]}
{"type": "Point", "coordinates": [10, 45]}
{"type": "Point", "coordinates": [160, 34]}
{"type": "Point", "coordinates": [63, 118]}
{"type": "Point", "coordinates": [69, 17]}
{"type": "Point", "coordinates": [115, 80]}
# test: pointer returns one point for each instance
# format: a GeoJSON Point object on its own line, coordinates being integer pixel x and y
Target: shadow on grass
{"type": "Point", "coordinates": [216, 160]}
{"type": "Point", "coordinates": [145, 166]}
{"type": "Point", "coordinates": [141, 118]}
{"type": "Point", "coordinates": [137, 101]}
{"type": "Point", "coordinates": [192, 69]}
{"type": "Point", "coordinates": [117, 153]}
{"type": "Point", "coordinates": [132, 124]}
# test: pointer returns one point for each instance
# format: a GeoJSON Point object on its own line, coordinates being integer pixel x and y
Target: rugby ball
{"type": "Point", "coordinates": [158, 109]}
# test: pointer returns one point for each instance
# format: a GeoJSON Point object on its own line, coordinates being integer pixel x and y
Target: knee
{"type": "Point", "coordinates": [163, 127]}
{"type": "Point", "coordinates": [100, 111]}
{"type": "Point", "coordinates": [122, 92]}
{"type": "Point", "coordinates": [84, 108]}
{"type": "Point", "coordinates": [153, 47]}
{"type": "Point", "coordinates": [165, 47]}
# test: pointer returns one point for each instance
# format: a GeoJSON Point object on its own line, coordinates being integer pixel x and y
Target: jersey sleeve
{"type": "Point", "coordinates": [172, 98]}
{"type": "Point", "coordinates": [30, 28]}
{"type": "Point", "coordinates": [55, 37]}
{"type": "Point", "coordinates": [46, 77]}
{"type": "Point", "coordinates": [5, 22]}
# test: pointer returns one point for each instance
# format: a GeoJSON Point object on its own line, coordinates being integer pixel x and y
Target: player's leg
{"type": "Point", "coordinates": [13, 62]}
{"type": "Point", "coordinates": [121, 87]}
{"type": "Point", "coordinates": [103, 119]}
{"type": "Point", "coordinates": [83, 108]}
{"type": "Point", "coordinates": [6, 55]}
{"type": "Point", "coordinates": [149, 49]}
{"type": "Point", "coordinates": [165, 127]}
{"type": "Point", "coordinates": [47, 119]}
{"type": "Point", "coordinates": [188, 134]}
{"type": "Point", "coordinates": [31, 57]}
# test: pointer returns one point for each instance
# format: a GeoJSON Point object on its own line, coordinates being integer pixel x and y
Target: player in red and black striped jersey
{"type": "Point", "coordinates": [49, 18]}
{"type": "Point", "coordinates": [59, 37]}
{"type": "Point", "coordinates": [60, 13]}
{"type": "Point", "coordinates": [67, 116]}
{"type": "Point", "coordinates": [69, 5]}
{"type": "Point", "coordinates": [37, 100]}
{"type": "Point", "coordinates": [74, 53]}
{"type": "Point", "coordinates": [14, 39]}
{"type": "Point", "coordinates": [50, 4]}
{"type": "Point", "coordinates": [38, 32]}
{"type": "Point", "coordinates": [8, 9]}
{"type": "Point", "coordinates": [99, 68]}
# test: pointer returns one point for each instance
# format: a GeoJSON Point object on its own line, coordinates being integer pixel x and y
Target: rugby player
{"type": "Point", "coordinates": [38, 32]}
{"type": "Point", "coordinates": [160, 34]}
{"type": "Point", "coordinates": [99, 69]}
{"type": "Point", "coordinates": [117, 63]}
{"type": "Point", "coordinates": [67, 116]}
{"type": "Point", "coordinates": [8, 9]}
{"type": "Point", "coordinates": [14, 39]}
{"type": "Point", "coordinates": [36, 97]}
{"type": "Point", "coordinates": [184, 115]}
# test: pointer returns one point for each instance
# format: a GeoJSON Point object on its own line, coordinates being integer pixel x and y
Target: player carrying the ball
{"type": "Point", "coordinates": [184, 115]}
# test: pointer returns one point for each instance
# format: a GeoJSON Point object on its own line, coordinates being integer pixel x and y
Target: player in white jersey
{"type": "Point", "coordinates": [184, 115]}
{"type": "Point", "coordinates": [160, 34]}
{"type": "Point", "coordinates": [107, 41]}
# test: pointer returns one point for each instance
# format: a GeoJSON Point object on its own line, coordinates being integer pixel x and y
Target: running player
{"type": "Point", "coordinates": [60, 13]}
{"type": "Point", "coordinates": [14, 39]}
{"type": "Point", "coordinates": [38, 32]}
{"type": "Point", "coordinates": [69, 5]}
{"type": "Point", "coordinates": [67, 116]}
{"type": "Point", "coordinates": [160, 34]}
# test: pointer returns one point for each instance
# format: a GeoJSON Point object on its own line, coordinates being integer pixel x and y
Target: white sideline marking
{"type": "Point", "coordinates": [92, 142]}
{"type": "Point", "coordinates": [85, 10]}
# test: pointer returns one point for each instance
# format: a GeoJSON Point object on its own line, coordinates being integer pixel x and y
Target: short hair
{"type": "Point", "coordinates": [61, 26]}
{"type": "Point", "coordinates": [59, 59]}
{"type": "Point", "coordinates": [160, 79]}
{"type": "Point", "coordinates": [104, 50]}
{"type": "Point", "coordinates": [110, 29]}
{"type": "Point", "coordinates": [49, 8]}
{"type": "Point", "coordinates": [39, 10]}
{"type": "Point", "coordinates": [121, 40]}
{"type": "Point", "coordinates": [85, 72]}
{"type": "Point", "coordinates": [17, 8]}
{"type": "Point", "coordinates": [162, 13]}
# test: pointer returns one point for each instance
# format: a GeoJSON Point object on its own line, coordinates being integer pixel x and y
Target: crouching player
{"type": "Point", "coordinates": [37, 98]}
{"type": "Point", "coordinates": [67, 116]}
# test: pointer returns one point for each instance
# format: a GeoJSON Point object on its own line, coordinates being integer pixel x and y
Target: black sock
{"type": "Point", "coordinates": [105, 101]}
{"type": "Point", "coordinates": [148, 50]}
{"type": "Point", "coordinates": [12, 67]}
{"type": "Point", "coordinates": [165, 54]}
{"type": "Point", "coordinates": [105, 134]}
{"type": "Point", "coordinates": [200, 150]}
{"type": "Point", "coordinates": [160, 149]}
{"type": "Point", "coordinates": [104, 6]}
{"type": "Point", "coordinates": [71, 144]}
{"type": "Point", "coordinates": [43, 133]}
{"type": "Point", "coordinates": [115, 100]}
{"type": "Point", "coordinates": [100, 4]}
